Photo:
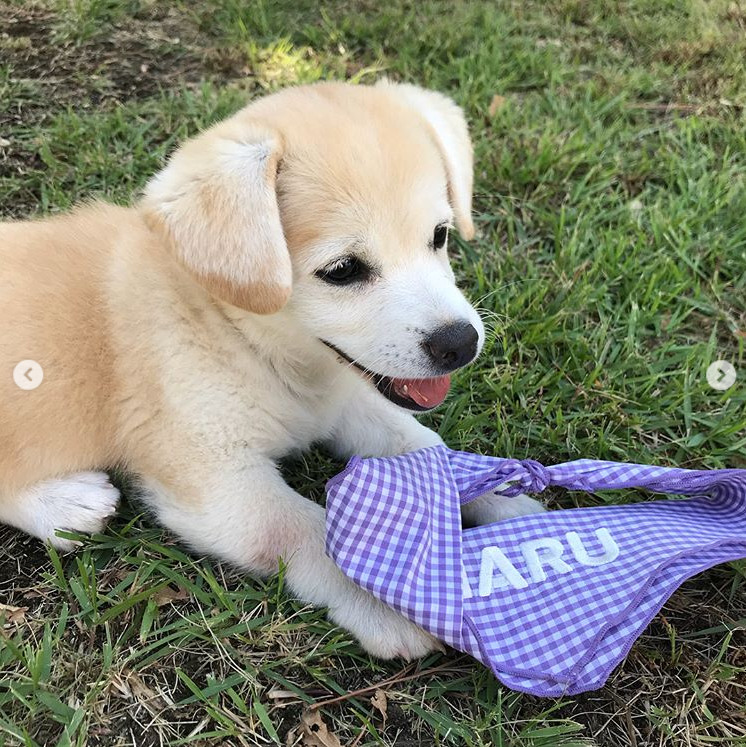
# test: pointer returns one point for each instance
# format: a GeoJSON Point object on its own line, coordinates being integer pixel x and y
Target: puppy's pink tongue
{"type": "Point", "coordinates": [425, 392]}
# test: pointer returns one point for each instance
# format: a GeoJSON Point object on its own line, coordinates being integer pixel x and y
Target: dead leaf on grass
{"type": "Point", "coordinates": [315, 731]}
{"type": "Point", "coordinates": [168, 595]}
{"type": "Point", "coordinates": [380, 703]}
{"type": "Point", "coordinates": [130, 686]}
{"type": "Point", "coordinates": [13, 614]}
{"type": "Point", "coordinates": [497, 103]}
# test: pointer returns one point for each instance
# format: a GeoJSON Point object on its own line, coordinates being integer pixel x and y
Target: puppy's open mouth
{"type": "Point", "coordinates": [413, 394]}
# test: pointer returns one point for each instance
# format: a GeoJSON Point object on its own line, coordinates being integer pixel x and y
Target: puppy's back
{"type": "Point", "coordinates": [53, 286]}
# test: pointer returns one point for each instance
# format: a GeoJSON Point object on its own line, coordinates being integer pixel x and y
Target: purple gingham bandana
{"type": "Point", "coordinates": [551, 602]}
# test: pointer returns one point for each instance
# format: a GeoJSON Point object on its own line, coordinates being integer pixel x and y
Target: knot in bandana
{"type": "Point", "coordinates": [531, 476]}
{"type": "Point", "coordinates": [510, 477]}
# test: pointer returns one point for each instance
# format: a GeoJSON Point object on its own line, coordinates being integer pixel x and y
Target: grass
{"type": "Point", "coordinates": [610, 264]}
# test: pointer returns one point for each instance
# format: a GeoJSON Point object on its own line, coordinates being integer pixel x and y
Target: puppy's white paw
{"type": "Point", "coordinates": [80, 502]}
{"type": "Point", "coordinates": [382, 631]}
{"type": "Point", "coordinates": [489, 508]}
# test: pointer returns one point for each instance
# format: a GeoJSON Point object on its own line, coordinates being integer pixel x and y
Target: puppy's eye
{"type": "Point", "coordinates": [344, 271]}
{"type": "Point", "coordinates": [440, 234]}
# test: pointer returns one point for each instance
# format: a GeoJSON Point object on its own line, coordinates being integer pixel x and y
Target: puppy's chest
{"type": "Point", "coordinates": [305, 414]}
{"type": "Point", "coordinates": [288, 403]}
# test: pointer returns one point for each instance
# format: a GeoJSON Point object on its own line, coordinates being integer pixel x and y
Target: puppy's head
{"type": "Point", "coordinates": [332, 205]}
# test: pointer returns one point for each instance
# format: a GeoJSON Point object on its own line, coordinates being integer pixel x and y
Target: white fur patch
{"type": "Point", "coordinates": [81, 502]}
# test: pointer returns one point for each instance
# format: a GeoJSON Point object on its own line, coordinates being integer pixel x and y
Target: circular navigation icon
{"type": "Point", "coordinates": [721, 375]}
{"type": "Point", "coordinates": [28, 375]}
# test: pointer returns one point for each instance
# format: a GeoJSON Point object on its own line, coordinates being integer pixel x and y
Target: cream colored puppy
{"type": "Point", "coordinates": [283, 281]}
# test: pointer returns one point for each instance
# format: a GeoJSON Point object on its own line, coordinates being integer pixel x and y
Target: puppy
{"type": "Point", "coordinates": [283, 281]}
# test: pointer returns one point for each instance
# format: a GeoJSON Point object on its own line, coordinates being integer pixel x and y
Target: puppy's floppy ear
{"type": "Point", "coordinates": [216, 204]}
{"type": "Point", "coordinates": [448, 126]}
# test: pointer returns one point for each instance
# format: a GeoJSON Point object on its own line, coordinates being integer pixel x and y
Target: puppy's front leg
{"type": "Point", "coordinates": [372, 426]}
{"type": "Point", "coordinates": [252, 518]}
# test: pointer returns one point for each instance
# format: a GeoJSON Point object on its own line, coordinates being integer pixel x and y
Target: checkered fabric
{"type": "Point", "coordinates": [551, 602]}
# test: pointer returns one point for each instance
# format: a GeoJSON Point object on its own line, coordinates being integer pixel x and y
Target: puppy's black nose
{"type": "Point", "coordinates": [452, 345]}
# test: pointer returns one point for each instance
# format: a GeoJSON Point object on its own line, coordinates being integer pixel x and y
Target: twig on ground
{"type": "Point", "coordinates": [395, 680]}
